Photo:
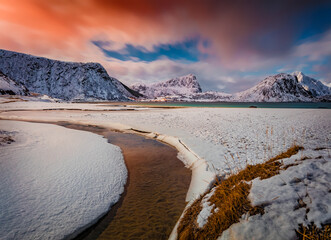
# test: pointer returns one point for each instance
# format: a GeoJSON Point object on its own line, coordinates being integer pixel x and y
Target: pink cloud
{"type": "Point", "coordinates": [231, 27]}
{"type": "Point", "coordinates": [64, 30]}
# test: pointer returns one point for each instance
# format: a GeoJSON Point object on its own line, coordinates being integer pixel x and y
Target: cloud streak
{"type": "Point", "coordinates": [234, 36]}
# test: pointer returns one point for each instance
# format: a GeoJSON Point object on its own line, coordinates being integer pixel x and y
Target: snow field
{"type": "Point", "coordinates": [55, 181]}
{"type": "Point", "coordinates": [217, 140]}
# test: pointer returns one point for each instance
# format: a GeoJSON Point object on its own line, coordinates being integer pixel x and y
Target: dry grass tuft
{"type": "Point", "coordinates": [230, 199]}
{"type": "Point", "coordinates": [311, 232]}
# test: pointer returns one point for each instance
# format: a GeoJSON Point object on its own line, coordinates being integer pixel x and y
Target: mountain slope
{"type": "Point", "coordinates": [278, 88]}
{"type": "Point", "coordinates": [132, 92]}
{"type": "Point", "coordinates": [317, 88]}
{"type": "Point", "coordinates": [10, 87]}
{"type": "Point", "coordinates": [185, 85]}
{"type": "Point", "coordinates": [64, 80]}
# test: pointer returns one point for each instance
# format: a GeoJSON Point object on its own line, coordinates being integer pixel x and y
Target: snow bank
{"type": "Point", "coordinates": [219, 140]}
{"type": "Point", "coordinates": [298, 195]}
{"type": "Point", "coordinates": [44, 102]}
{"type": "Point", "coordinates": [210, 140]}
{"type": "Point", "coordinates": [206, 210]}
{"type": "Point", "coordinates": [228, 138]}
{"type": "Point", "coordinates": [201, 176]}
{"type": "Point", "coordinates": [55, 181]}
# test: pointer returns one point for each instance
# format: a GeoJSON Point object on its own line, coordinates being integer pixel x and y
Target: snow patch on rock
{"type": "Point", "coordinates": [9, 87]}
{"type": "Point", "coordinates": [185, 85]}
{"type": "Point", "coordinates": [317, 88]}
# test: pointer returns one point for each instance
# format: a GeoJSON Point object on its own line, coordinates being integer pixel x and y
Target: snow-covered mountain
{"type": "Point", "coordinates": [179, 86]}
{"type": "Point", "coordinates": [10, 87]}
{"type": "Point", "coordinates": [21, 73]}
{"type": "Point", "coordinates": [211, 96]}
{"type": "Point", "coordinates": [317, 88]}
{"type": "Point", "coordinates": [64, 80]}
{"type": "Point", "coordinates": [278, 88]}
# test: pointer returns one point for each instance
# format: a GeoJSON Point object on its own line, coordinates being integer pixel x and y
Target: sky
{"type": "Point", "coordinates": [229, 45]}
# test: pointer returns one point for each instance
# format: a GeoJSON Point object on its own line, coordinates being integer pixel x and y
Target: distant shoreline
{"type": "Point", "coordinates": [307, 105]}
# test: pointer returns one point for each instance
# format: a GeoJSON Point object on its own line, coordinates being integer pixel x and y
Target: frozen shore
{"type": "Point", "coordinates": [221, 139]}
{"type": "Point", "coordinates": [209, 141]}
{"type": "Point", "coordinates": [55, 181]}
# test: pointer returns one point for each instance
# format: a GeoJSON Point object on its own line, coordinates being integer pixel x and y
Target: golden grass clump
{"type": "Point", "coordinates": [230, 199]}
{"type": "Point", "coordinates": [311, 232]}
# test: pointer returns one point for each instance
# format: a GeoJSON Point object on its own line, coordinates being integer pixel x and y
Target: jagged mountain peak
{"type": "Point", "coordinates": [316, 87]}
{"type": "Point", "coordinates": [182, 86]}
{"type": "Point", "coordinates": [298, 73]}
{"type": "Point", "coordinates": [188, 81]}
{"type": "Point", "coordinates": [281, 87]}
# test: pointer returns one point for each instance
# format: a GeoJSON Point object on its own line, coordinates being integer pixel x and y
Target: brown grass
{"type": "Point", "coordinates": [311, 232]}
{"type": "Point", "coordinates": [231, 200]}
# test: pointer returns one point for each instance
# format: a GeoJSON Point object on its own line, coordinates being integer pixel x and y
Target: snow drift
{"type": "Point", "coordinates": [55, 181]}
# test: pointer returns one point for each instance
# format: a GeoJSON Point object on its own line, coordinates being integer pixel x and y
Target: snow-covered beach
{"type": "Point", "coordinates": [210, 141]}
{"type": "Point", "coordinates": [165, 120]}
{"type": "Point", "coordinates": [55, 181]}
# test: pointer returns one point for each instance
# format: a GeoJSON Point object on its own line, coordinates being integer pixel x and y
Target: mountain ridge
{"type": "Point", "coordinates": [184, 85]}
{"type": "Point", "coordinates": [64, 80]}
{"type": "Point", "coordinates": [76, 81]}
{"type": "Point", "coordinates": [281, 87]}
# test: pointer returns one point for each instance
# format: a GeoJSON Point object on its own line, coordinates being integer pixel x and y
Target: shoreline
{"type": "Point", "coordinates": [201, 178]}
{"type": "Point", "coordinates": [55, 177]}
{"type": "Point", "coordinates": [191, 160]}
{"type": "Point", "coordinates": [102, 225]}
{"type": "Point", "coordinates": [194, 104]}
{"type": "Point", "coordinates": [219, 133]}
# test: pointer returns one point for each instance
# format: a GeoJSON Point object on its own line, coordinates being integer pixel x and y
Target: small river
{"type": "Point", "coordinates": [155, 193]}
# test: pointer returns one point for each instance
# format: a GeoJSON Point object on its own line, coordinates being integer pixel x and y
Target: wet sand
{"type": "Point", "coordinates": [155, 193]}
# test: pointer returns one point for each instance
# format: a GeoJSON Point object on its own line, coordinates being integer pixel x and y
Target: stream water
{"type": "Point", "coordinates": [155, 192]}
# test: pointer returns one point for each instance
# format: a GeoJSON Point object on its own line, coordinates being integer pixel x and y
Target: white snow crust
{"type": "Point", "coordinates": [225, 138]}
{"type": "Point", "coordinates": [55, 181]}
{"type": "Point", "coordinates": [218, 140]}
{"type": "Point", "coordinates": [206, 210]}
{"type": "Point", "coordinates": [298, 195]}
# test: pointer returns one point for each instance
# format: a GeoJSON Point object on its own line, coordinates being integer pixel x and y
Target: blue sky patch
{"type": "Point", "coordinates": [186, 50]}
